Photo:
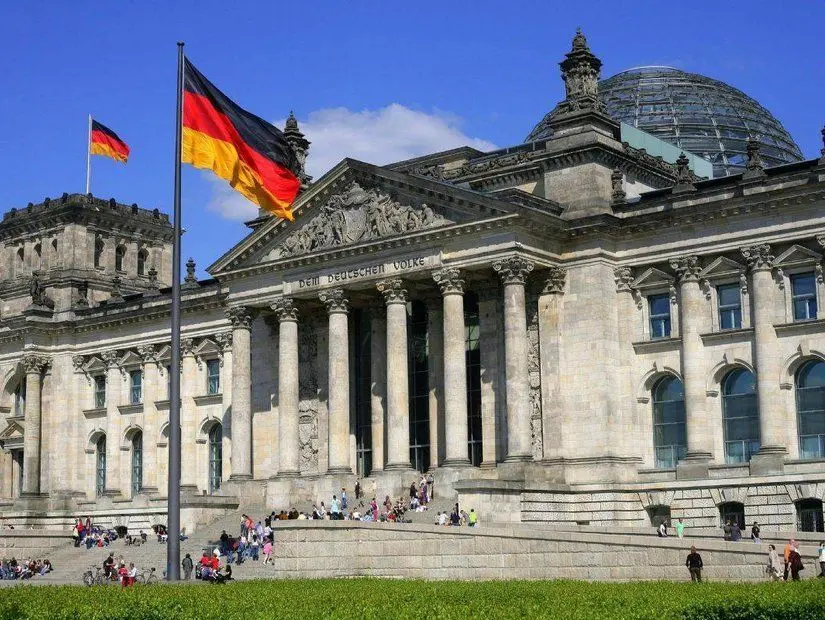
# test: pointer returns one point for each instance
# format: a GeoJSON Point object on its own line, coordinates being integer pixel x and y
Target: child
{"type": "Point", "coordinates": [267, 551]}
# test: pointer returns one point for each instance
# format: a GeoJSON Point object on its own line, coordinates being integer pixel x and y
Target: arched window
{"type": "Point", "coordinates": [809, 515]}
{"type": "Point", "coordinates": [120, 252]}
{"type": "Point", "coordinates": [21, 258]}
{"type": "Point", "coordinates": [215, 457]}
{"type": "Point", "coordinates": [669, 431]}
{"type": "Point", "coordinates": [20, 398]}
{"type": "Point", "coordinates": [98, 252]}
{"type": "Point", "coordinates": [741, 416]}
{"type": "Point", "coordinates": [100, 466]}
{"type": "Point", "coordinates": [142, 256]}
{"type": "Point", "coordinates": [733, 512]}
{"type": "Point", "coordinates": [810, 409]}
{"type": "Point", "coordinates": [472, 339]}
{"type": "Point", "coordinates": [137, 463]}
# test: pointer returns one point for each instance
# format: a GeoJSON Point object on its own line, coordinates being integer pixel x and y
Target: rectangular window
{"type": "Point", "coordinates": [135, 387]}
{"type": "Point", "coordinates": [803, 291]}
{"type": "Point", "coordinates": [213, 376]}
{"type": "Point", "coordinates": [730, 306]}
{"type": "Point", "coordinates": [659, 306]}
{"type": "Point", "coordinates": [100, 391]}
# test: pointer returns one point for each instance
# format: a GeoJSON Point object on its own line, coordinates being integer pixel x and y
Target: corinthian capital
{"type": "Point", "coordinates": [240, 317]}
{"type": "Point", "coordinates": [449, 281]}
{"type": "Point", "coordinates": [285, 309]}
{"type": "Point", "coordinates": [556, 279]}
{"type": "Point", "coordinates": [110, 358]}
{"type": "Point", "coordinates": [187, 347]}
{"type": "Point", "coordinates": [224, 340]}
{"type": "Point", "coordinates": [34, 363]}
{"type": "Point", "coordinates": [513, 270]}
{"type": "Point", "coordinates": [393, 291]}
{"type": "Point", "coordinates": [148, 353]}
{"type": "Point", "coordinates": [759, 257]}
{"type": "Point", "coordinates": [334, 300]}
{"type": "Point", "coordinates": [78, 361]}
{"type": "Point", "coordinates": [623, 277]}
{"type": "Point", "coordinates": [687, 268]}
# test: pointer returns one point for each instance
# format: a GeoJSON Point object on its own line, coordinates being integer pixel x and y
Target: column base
{"type": "Point", "coordinates": [695, 466]}
{"type": "Point", "coordinates": [113, 494]}
{"type": "Point", "coordinates": [397, 466]}
{"type": "Point", "coordinates": [239, 477]}
{"type": "Point", "coordinates": [291, 473]}
{"type": "Point", "coordinates": [518, 458]}
{"type": "Point", "coordinates": [768, 461]}
{"type": "Point", "coordinates": [337, 471]}
{"type": "Point", "coordinates": [456, 463]}
{"type": "Point", "coordinates": [149, 491]}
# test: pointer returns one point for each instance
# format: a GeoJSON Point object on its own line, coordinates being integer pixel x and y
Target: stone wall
{"type": "Point", "coordinates": [23, 544]}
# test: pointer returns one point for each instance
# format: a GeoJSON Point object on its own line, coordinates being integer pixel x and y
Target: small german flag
{"type": "Point", "coordinates": [236, 145]}
{"type": "Point", "coordinates": [104, 141]}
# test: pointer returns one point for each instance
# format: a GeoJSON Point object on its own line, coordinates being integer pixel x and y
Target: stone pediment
{"type": "Point", "coordinates": [722, 268]}
{"type": "Point", "coordinates": [652, 278]}
{"type": "Point", "coordinates": [355, 215]}
{"type": "Point", "coordinates": [12, 436]}
{"type": "Point", "coordinates": [797, 256]}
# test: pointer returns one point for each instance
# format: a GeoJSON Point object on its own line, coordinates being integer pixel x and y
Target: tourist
{"type": "Point", "coordinates": [726, 530]}
{"type": "Point", "coordinates": [244, 519]}
{"type": "Point", "coordinates": [787, 555]}
{"type": "Point", "coordinates": [774, 568]}
{"type": "Point", "coordinates": [254, 546]}
{"type": "Point", "coordinates": [47, 567]}
{"type": "Point", "coordinates": [374, 509]}
{"type": "Point", "coordinates": [455, 519]}
{"type": "Point", "coordinates": [821, 556]}
{"type": "Point", "coordinates": [430, 491]}
{"type": "Point", "coordinates": [267, 551]}
{"type": "Point", "coordinates": [259, 529]}
{"type": "Point", "coordinates": [735, 532]}
{"type": "Point", "coordinates": [358, 493]}
{"type": "Point", "coordinates": [187, 565]}
{"type": "Point", "coordinates": [224, 538]}
{"type": "Point", "coordinates": [413, 490]}
{"type": "Point", "coordinates": [680, 529]}
{"type": "Point", "coordinates": [334, 510]}
{"type": "Point", "coordinates": [473, 521]}
{"type": "Point", "coordinates": [132, 574]}
{"type": "Point", "coordinates": [662, 530]}
{"type": "Point", "coordinates": [108, 566]}
{"type": "Point", "coordinates": [755, 533]}
{"type": "Point", "coordinates": [795, 563]}
{"type": "Point", "coordinates": [442, 518]}
{"type": "Point", "coordinates": [694, 565]}
{"type": "Point", "coordinates": [343, 498]}
{"type": "Point", "coordinates": [123, 573]}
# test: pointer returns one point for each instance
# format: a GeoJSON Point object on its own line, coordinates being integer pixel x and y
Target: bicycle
{"type": "Point", "coordinates": [148, 577]}
{"type": "Point", "coordinates": [94, 579]}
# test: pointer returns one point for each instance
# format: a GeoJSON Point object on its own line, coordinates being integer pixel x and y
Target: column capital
{"type": "Point", "coordinates": [187, 347]}
{"type": "Point", "coordinates": [820, 239]}
{"type": "Point", "coordinates": [148, 353]}
{"type": "Point", "coordinates": [393, 291]}
{"type": "Point", "coordinates": [240, 317]}
{"type": "Point", "coordinates": [34, 363]}
{"type": "Point", "coordinates": [285, 309]}
{"type": "Point", "coordinates": [110, 358]}
{"type": "Point", "coordinates": [513, 270]}
{"type": "Point", "coordinates": [79, 361]}
{"type": "Point", "coordinates": [758, 257]}
{"type": "Point", "coordinates": [449, 281]}
{"type": "Point", "coordinates": [623, 276]}
{"type": "Point", "coordinates": [555, 282]}
{"type": "Point", "coordinates": [334, 300]}
{"type": "Point", "coordinates": [224, 340]}
{"type": "Point", "coordinates": [687, 268]}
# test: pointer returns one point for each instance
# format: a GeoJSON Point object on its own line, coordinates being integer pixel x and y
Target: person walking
{"type": "Point", "coordinates": [821, 556]}
{"type": "Point", "coordinates": [680, 529]}
{"type": "Point", "coordinates": [662, 530]}
{"type": "Point", "coordinates": [694, 565]}
{"type": "Point", "coordinates": [795, 563]}
{"type": "Point", "coordinates": [473, 518]}
{"type": "Point", "coordinates": [358, 494]}
{"type": "Point", "coordinates": [774, 564]}
{"type": "Point", "coordinates": [755, 533]}
{"type": "Point", "coordinates": [343, 498]}
{"type": "Point", "coordinates": [787, 556]}
{"type": "Point", "coordinates": [267, 551]}
{"type": "Point", "coordinates": [187, 565]}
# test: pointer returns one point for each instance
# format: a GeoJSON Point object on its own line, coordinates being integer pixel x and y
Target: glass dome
{"type": "Point", "coordinates": [698, 114]}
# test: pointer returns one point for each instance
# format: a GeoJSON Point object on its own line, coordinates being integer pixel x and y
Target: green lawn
{"type": "Point", "coordinates": [391, 599]}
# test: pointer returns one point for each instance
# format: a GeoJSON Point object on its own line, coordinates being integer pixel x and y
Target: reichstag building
{"type": "Point", "coordinates": [617, 321]}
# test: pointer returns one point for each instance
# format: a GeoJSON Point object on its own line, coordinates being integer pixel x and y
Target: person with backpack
{"type": "Point", "coordinates": [187, 565]}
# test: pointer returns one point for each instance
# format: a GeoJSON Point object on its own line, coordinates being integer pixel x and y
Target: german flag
{"type": "Point", "coordinates": [104, 141]}
{"type": "Point", "coordinates": [236, 145]}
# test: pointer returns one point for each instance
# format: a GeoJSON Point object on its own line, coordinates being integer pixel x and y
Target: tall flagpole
{"type": "Point", "coordinates": [89, 158]}
{"type": "Point", "coordinates": [173, 543]}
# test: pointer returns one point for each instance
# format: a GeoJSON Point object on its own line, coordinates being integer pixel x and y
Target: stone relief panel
{"type": "Point", "coordinates": [307, 398]}
{"type": "Point", "coordinates": [534, 374]}
{"type": "Point", "coordinates": [357, 214]}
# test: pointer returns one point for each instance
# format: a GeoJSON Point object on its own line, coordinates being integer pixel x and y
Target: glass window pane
{"type": "Point", "coordinates": [728, 295]}
{"type": "Point", "coordinates": [803, 284]}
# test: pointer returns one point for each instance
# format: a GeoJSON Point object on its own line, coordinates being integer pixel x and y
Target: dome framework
{"type": "Point", "coordinates": [698, 114]}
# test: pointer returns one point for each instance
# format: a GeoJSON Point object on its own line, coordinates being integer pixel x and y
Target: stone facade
{"type": "Point", "coordinates": [502, 319]}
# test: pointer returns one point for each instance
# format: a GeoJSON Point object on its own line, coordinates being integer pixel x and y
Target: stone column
{"type": "Point", "coordinates": [378, 380]}
{"type": "Point", "coordinates": [398, 382]}
{"type": "Point", "coordinates": [6, 473]}
{"type": "Point", "coordinates": [288, 416]}
{"type": "Point", "coordinates": [766, 355]}
{"type": "Point", "coordinates": [513, 272]}
{"type": "Point", "coordinates": [114, 382]}
{"type": "Point", "coordinates": [338, 382]}
{"type": "Point", "coordinates": [33, 366]}
{"type": "Point", "coordinates": [699, 434]}
{"type": "Point", "coordinates": [550, 302]}
{"type": "Point", "coordinates": [455, 367]}
{"type": "Point", "coordinates": [435, 379]}
{"type": "Point", "coordinates": [241, 320]}
{"type": "Point", "coordinates": [151, 424]}
{"type": "Point", "coordinates": [224, 339]}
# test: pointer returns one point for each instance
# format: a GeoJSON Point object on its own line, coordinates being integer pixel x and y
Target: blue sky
{"type": "Point", "coordinates": [379, 81]}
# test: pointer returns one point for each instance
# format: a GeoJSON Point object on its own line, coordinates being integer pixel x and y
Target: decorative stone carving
{"type": "Point", "coordinates": [78, 362]}
{"type": "Point", "coordinates": [556, 279]}
{"type": "Point", "coordinates": [487, 164]}
{"type": "Point", "coordinates": [334, 300]}
{"type": "Point", "coordinates": [617, 181]}
{"type": "Point", "coordinates": [307, 398]}
{"type": "Point", "coordinates": [38, 292]}
{"type": "Point", "coordinates": [187, 347]}
{"type": "Point", "coordinates": [190, 281]}
{"type": "Point", "coordinates": [393, 291]}
{"type": "Point", "coordinates": [684, 177]}
{"type": "Point", "coordinates": [687, 268]}
{"type": "Point", "coordinates": [534, 375]}
{"type": "Point", "coordinates": [285, 309]}
{"type": "Point", "coordinates": [706, 287]}
{"type": "Point", "coordinates": [110, 358]}
{"type": "Point", "coordinates": [743, 282]}
{"type": "Point", "coordinates": [513, 270]}
{"type": "Point", "coordinates": [822, 150]}
{"type": "Point", "coordinates": [240, 317]}
{"type": "Point", "coordinates": [449, 281]}
{"type": "Point", "coordinates": [154, 287]}
{"type": "Point", "coordinates": [82, 295]}
{"type": "Point", "coordinates": [356, 215]}
{"type": "Point", "coordinates": [623, 277]}
{"type": "Point", "coordinates": [755, 168]}
{"type": "Point", "coordinates": [674, 296]}
{"type": "Point", "coordinates": [300, 146]}
{"type": "Point", "coordinates": [224, 340]}
{"type": "Point", "coordinates": [34, 363]}
{"type": "Point", "coordinates": [432, 172]}
{"type": "Point", "coordinates": [117, 295]}
{"type": "Point", "coordinates": [758, 257]}
{"type": "Point", "coordinates": [820, 276]}
{"type": "Point", "coordinates": [148, 353]}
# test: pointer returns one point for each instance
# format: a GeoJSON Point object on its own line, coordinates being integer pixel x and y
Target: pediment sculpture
{"type": "Point", "coordinates": [355, 215]}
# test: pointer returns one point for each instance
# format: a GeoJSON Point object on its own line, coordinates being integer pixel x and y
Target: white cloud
{"type": "Point", "coordinates": [382, 136]}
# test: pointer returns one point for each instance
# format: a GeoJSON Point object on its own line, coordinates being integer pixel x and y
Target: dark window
{"type": "Point", "coordinates": [20, 398]}
{"type": "Point", "coordinates": [803, 287]}
{"type": "Point", "coordinates": [669, 429]}
{"type": "Point", "coordinates": [213, 376]}
{"type": "Point", "coordinates": [741, 416]}
{"type": "Point", "coordinates": [473, 361]}
{"type": "Point", "coordinates": [418, 348]}
{"type": "Point", "coordinates": [141, 262]}
{"type": "Point", "coordinates": [733, 512]}
{"type": "Point", "coordinates": [38, 256]}
{"type": "Point", "coordinates": [100, 466]}
{"type": "Point", "coordinates": [120, 252]}
{"type": "Point", "coordinates": [730, 306]}
{"type": "Point", "coordinates": [135, 387]}
{"type": "Point", "coordinates": [100, 391]}
{"type": "Point", "coordinates": [659, 306]}
{"type": "Point", "coordinates": [215, 457]}
{"type": "Point", "coordinates": [810, 409]}
{"type": "Point", "coordinates": [362, 359]}
{"type": "Point", "coordinates": [137, 463]}
{"type": "Point", "coordinates": [98, 251]}
{"type": "Point", "coordinates": [809, 515]}
{"type": "Point", "coordinates": [658, 514]}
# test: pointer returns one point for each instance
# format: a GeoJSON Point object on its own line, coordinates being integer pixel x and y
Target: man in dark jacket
{"type": "Point", "coordinates": [187, 565]}
{"type": "Point", "coordinates": [694, 565]}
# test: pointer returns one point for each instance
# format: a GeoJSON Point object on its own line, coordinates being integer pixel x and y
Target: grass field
{"type": "Point", "coordinates": [389, 599]}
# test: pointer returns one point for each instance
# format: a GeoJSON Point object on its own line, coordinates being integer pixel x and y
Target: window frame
{"type": "Point", "coordinates": [678, 451]}
{"type": "Point", "coordinates": [810, 297]}
{"type": "Point", "coordinates": [98, 391]}
{"type": "Point", "coordinates": [820, 437]}
{"type": "Point", "coordinates": [722, 308]}
{"type": "Point", "coordinates": [133, 399]}
{"type": "Point", "coordinates": [651, 318]}
{"type": "Point", "coordinates": [748, 449]}
{"type": "Point", "coordinates": [213, 362]}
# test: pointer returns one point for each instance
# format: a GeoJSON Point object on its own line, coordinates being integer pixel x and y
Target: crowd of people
{"type": "Point", "coordinates": [12, 569]}
{"type": "Point", "coordinates": [92, 536]}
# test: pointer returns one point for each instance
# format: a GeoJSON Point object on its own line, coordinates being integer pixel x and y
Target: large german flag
{"type": "Point", "coordinates": [238, 146]}
{"type": "Point", "coordinates": [104, 141]}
